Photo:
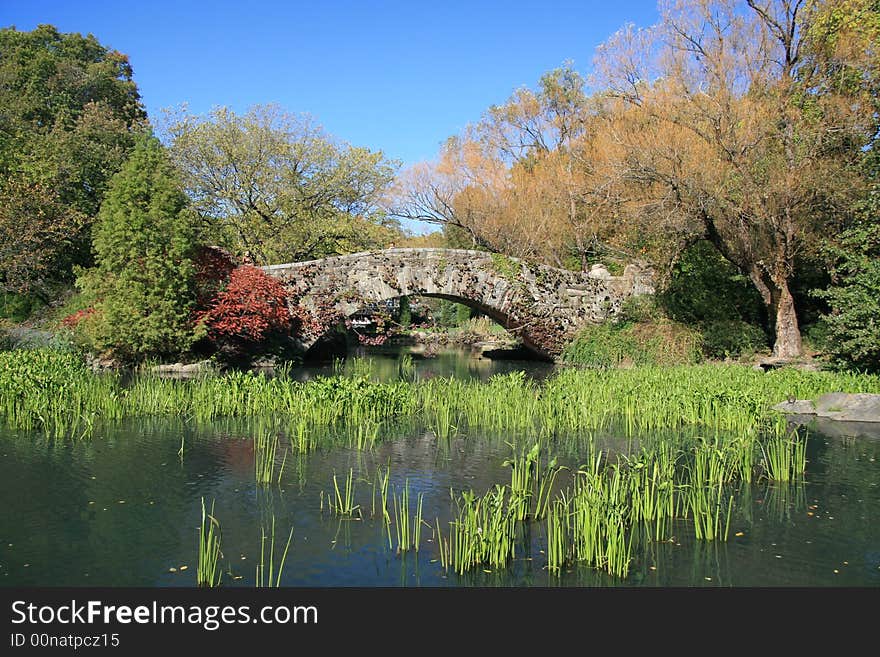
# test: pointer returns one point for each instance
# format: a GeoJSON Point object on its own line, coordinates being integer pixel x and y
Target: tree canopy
{"type": "Point", "coordinates": [740, 122]}
{"type": "Point", "coordinates": [69, 110]}
{"type": "Point", "coordinates": [277, 188]}
{"type": "Point", "coordinates": [145, 239]}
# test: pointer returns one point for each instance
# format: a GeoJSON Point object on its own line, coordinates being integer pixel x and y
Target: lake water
{"type": "Point", "coordinates": [123, 509]}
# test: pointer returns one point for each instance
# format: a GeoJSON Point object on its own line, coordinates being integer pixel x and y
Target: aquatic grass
{"type": "Point", "coordinates": [407, 528]}
{"type": "Point", "coordinates": [265, 453]}
{"type": "Point", "coordinates": [363, 435]}
{"type": "Point", "coordinates": [342, 504]}
{"type": "Point", "coordinates": [558, 529]}
{"type": "Point", "coordinates": [530, 486]}
{"type": "Point", "coordinates": [406, 369]}
{"type": "Point", "coordinates": [483, 532]}
{"type": "Point", "coordinates": [56, 394]}
{"type": "Point", "coordinates": [267, 576]}
{"type": "Point", "coordinates": [208, 573]}
{"type": "Point", "coordinates": [707, 509]}
{"type": "Point", "coordinates": [785, 458]}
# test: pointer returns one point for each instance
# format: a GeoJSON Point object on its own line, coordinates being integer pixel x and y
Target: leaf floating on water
{"type": "Point", "coordinates": [184, 567]}
{"type": "Point", "coordinates": [172, 570]}
{"type": "Point", "coordinates": [740, 534]}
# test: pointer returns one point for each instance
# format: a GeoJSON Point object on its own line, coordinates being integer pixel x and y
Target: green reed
{"type": "Point", "coordinates": [530, 486]}
{"type": "Point", "coordinates": [408, 528]}
{"type": "Point", "coordinates": [265, 454]}
{"type": "Point", "coordinates": [483, 533]}
{"type": "Point", "coordinates": [266, 575]}
{"type": "Point", "coordinates": [785, 458]}
{"type": "Point", "coordinates": [208, 572]}
{"type": "Point", "coordinates": [711, 516]}
{"type": "Point", "coordinates": [56, 394]}
{"type": "Point", "coordinates": [406, 368]}
{"type": "Point", "coordinates": [342, 503]}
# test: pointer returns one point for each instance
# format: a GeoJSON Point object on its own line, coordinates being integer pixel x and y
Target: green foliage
{"type": "Point", "coordinates": [278, 188]}
{"type": "Point", "coordinates": [853, 325]}
{"type": "Point", "coordinates": [69, 112]}
{"type": "Point", "coordinates": [505, 266]}
{"type": "Point", "coordinates": [706, 292]}
{"type": "Point", "coordinates": [704, 287]}
{"type": "Point", "coordinates": [447, 314]}
{"type": "Point", "coordinates": [640, 308]}
{"type": "Point", "coordinates": [144, 279]}
{"type": "Point", "coordinates": [732, 338]}
{"type": "Point", "coordinates": [404, 317]}
{"type": "Point", "coordinates": [614, 344]}
{"type": "Point", "coordinates": [17, 307]}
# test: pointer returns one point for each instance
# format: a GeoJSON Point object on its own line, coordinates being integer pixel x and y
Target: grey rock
{"type": "Point", "coordinates": [837, 406]}
{"type": "Point", "coordinates": [857, 407]}
{"type": "Point", "coordinates": [798, 407]}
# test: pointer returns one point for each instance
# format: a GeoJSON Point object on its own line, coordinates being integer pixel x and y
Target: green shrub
{"type": "Point", "coordinates": [661, 342]}
{"type": "Point", "coordinates": [704, 287]}
{"type": "Point", "coordinates": [817, 336]}
{"type": "Point", "coordinates": [732, 339]}
{"type": "Point", "coordinates": [853, 325]}
{"type": "Point", "coordinates": [17, 307]}
{"type": "Point", "coordinates": [144, 241]}
{"type": "Point", "coordinates": [640, 309]}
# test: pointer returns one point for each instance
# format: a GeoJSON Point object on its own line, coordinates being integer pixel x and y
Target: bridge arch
{"type": "Point", "coordinates": [543, 305]}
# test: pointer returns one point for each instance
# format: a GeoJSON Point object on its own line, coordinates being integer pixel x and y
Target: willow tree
{"type": "Point", "coordinates": [513, 181]}
{"type": "Point", "coordinates": [727, 129]}
{"type": "Point", "coordinates": [275, 187]}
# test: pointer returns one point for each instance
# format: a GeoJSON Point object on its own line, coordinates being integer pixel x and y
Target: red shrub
{"type": "Point", "coordinates": [251, 308]}
{"type": "Point", "coordinates": [213, 268]}
{"type": "Point", "coordinates": [71, 321]}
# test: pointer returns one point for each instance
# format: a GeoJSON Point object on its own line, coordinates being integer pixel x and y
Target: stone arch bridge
{"type": "Point", "coordinates": [543, 305]}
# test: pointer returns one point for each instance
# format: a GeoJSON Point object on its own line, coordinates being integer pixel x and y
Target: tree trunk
{"type": "Point", "coordinates": [788, 334]}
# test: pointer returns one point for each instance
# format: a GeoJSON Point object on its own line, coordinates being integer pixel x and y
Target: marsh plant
{"type": "Point", "coordinates": [56, 394]}
{"type": "Point", "coordinates": [266, 574]}
{"type": "Point", "coordinates": [265, 456]}
{"type": "Point", "coordinates": [407, 527]}
{"type": "Point", "coordinates": [208, 572]}
{"type": "Point", "coordinates": [785, 457]}
{"type": "Point", "coordinates": [342, 501]}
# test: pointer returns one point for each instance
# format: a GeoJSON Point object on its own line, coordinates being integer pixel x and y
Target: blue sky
{"type": "Point", "coordinates": [395, 76]}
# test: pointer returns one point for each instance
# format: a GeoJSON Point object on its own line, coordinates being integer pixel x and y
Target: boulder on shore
{"type": "Point", "coordinates": [840, 406]}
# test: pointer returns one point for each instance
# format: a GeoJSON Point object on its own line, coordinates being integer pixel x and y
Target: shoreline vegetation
{"type": "Point", "coordinates": [689, 443]}
{"type": "Point", "coordinates": [56, 393]}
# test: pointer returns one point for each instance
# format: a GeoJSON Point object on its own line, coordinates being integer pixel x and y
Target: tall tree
{"type": "Point", "coordinates": [514, 182]}
{"type": "Point", "coordinates": [277, 187]}
{"type": "Point", "coordinates": [144, 240]}
{"type": "Point", "coordinates": [69, 111]}
{"type": "Point", "coordinates": [726, 128]}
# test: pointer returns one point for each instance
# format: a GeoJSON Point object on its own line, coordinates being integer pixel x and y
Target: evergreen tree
{"type": "Point", "coordinates": [144, 241]}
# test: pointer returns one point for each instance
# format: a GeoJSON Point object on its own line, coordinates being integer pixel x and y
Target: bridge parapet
{"type": "Point", "coordinates": [544, 305]}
